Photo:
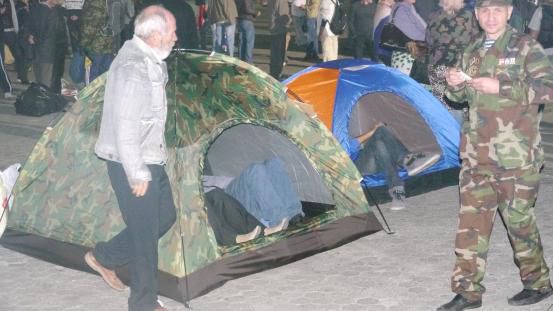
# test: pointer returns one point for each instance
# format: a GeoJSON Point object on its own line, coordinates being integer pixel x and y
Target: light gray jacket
{"type": "Point", "coordinates": [135, 109]}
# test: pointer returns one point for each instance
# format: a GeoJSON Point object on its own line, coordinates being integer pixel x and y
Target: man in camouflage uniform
{"type": "Point", "coordinates": [504, 76]}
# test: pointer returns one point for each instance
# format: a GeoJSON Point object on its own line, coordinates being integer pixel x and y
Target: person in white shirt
{"type": "Point", "coordinates": [329, 40]}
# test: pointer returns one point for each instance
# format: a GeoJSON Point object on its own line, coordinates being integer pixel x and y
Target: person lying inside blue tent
{"type": "Point", "coordinates": [382, 152]}
{"type": "Point", "coordinates": [260, 200]}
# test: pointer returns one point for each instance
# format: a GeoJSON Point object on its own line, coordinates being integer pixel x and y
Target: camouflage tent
{"type": "Point", "coordinates": [223, 111]}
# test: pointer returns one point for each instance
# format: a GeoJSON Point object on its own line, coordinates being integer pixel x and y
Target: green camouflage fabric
{"type": "Point", "coordinates": [483, 192]}
{"type": "Point", "coordinates": [93, 20]}
{"type": "Point", "coordinates": [448, 35]}
{"type": "Point", "coordinates": [503, 130]}
{"type": "Point", "coordinates": [64, 193]}
{"type": "Point", "coordinates": [501, 157]}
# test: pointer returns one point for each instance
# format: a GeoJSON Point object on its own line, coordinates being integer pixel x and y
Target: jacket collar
{"type": "Point", "coordinates": [144, 47]}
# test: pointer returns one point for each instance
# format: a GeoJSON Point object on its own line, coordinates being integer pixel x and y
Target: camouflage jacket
{"type": "Point", "coordinates": [93, 22]}
{"type": "Point", "coordinates": [448, 35]}
{"type": "Point", "coordinates": [503, 129]}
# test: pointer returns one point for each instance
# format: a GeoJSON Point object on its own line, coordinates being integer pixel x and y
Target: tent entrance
{"type": "Point", "coordinates": [235, 156]}
{"type": "Point", "coordinates": [401, 118]}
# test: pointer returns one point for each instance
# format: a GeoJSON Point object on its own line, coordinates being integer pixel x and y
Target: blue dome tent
{"type": "Point", "coordinates": [347, 92]}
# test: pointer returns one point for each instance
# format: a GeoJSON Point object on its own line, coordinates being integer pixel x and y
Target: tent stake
{"type": "Point", "coordinates": [368, 195]}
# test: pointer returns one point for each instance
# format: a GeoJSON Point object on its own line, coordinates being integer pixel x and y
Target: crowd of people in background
{"type": "Point", "coordinates": [40, 34]}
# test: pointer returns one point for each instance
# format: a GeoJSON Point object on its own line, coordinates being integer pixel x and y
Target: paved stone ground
{"type": "Point", "coordinates": [408, 270]}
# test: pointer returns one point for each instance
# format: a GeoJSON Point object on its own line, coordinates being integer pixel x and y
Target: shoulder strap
{"type": "Point", "coordinates": [394, 14]}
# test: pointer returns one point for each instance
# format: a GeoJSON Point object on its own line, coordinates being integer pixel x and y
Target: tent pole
{"type": "Point", "coordinates": [186, 301]}
{"type": "Point", "coordinates": [368, 195]}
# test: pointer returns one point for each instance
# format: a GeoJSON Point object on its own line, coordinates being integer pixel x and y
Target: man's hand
{"type": "Point", "coordinates": [364, 137]}
{"type": "Point", "coordinates": [31, 40]}
{"type": "Point", "coordinates": [485, 85]}
{"type": "Point", "coordinates": [454, 77]}
{"type": "Point", "coordinates": [73, 17]}
{"type": "Point", "coordinates": [140, 188]}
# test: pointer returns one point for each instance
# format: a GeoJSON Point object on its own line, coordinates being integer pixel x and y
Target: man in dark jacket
{"type": "Point", "coordinates": [246, 29]}
{"type": "Point", "coordinates": [280, 21]}
{"type": "Point", "coordinates": [48, 36]}
{"type": "Point", "coordinates": [361, 25]}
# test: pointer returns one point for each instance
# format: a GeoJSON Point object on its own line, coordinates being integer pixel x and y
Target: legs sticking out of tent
{"type": "Point", "coordinates": [370, 197]}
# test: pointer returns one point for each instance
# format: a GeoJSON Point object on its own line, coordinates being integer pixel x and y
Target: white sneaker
{"type": "Point", "coordinates": [398, 198]}
{"type": "Point", "coordinates": [281, 226]}
{"type": "Point", "coordinates": [254, 234]}
{"type": "Point", "coordinates": [9, 95]}
{"type": "Point", "coordinates": [415, 163]}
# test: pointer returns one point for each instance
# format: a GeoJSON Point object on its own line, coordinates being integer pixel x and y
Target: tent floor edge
{"type": "Point", "coordinates": [206, 279]}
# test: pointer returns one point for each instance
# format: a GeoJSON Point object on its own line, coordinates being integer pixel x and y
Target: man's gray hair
{"type": "Point", "coordinates": [150, 20]}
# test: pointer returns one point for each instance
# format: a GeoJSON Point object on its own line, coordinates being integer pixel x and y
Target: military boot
{"type": "Point", "coordinates": [459, 303]}
{"type": "Point", "coordinates": [530, 296]}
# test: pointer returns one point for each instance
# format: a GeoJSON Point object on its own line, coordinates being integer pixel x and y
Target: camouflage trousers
{"type": "Point", "coordinates": [482, 193]}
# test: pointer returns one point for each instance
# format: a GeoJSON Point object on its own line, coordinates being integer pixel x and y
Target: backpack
{"type": "Point", "coordinates": [38, 100]}
{"type": "Point", "coordinates": [339, 20]}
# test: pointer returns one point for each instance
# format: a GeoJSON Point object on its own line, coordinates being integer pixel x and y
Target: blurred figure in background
{"type": "Point", "coordinates": [449, 31]}
{"type": "Point", "coordinates": [246, 14]}
{"type": "Point", "coordinates": [413, 26]}
{"type": "Point", "coordinates": [425, 8]}
{"type": "Point", "coordinates": [222, 16]}
{"type": "Point", "coordinates": [361, 26]}
{"type": "Point", "coordinates": [8, 14]}
{"type": "Point", "coordinates": [5, 82]}
{"type": "Point", "coordinates": [97, 44]}
{"type": "Point", "coordinates": [312, 13]}
{"type": "Point", "coordinates": [22, 48]}
{"type": "Point", "coordinates": [300, 22]}
{"type": "Point", "coordinates": [202, 23]}
{"type": "Point", "coordinates": [73, 9]}
{"type": "Point", "coordinates": [49, 40]}
{"type": "Point", "coordinates": [280, 21]}
{"type": "Point", "coordinates": [329, 40]}
{"type": "Point", "coordinates": [541, 27]}
{"type": "Point", "coordinates": [381, 18]}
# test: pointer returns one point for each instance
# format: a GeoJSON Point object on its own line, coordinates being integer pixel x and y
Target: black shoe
{"type": "Point", "coordinates": [530, 296]}
{"type": "Point", "coordinates": [459, 303]}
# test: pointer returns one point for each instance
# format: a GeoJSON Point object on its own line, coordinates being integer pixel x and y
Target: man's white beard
{"type": "Point", "coordinates": [162, 53]}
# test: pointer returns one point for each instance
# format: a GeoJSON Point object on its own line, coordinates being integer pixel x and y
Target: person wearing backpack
{"type": "Point", "coordinates": [329, 40]}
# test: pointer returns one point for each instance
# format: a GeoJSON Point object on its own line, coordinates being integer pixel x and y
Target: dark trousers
{"type": "Point", "coordinates": [227, 217]}
{"type": "Point", "coordinates": [21, 63]}
{"type": "Point", "coordinates": [50, 74]}
{"type": "Point", "coordinates": [382, 153]}
{"type": "Point", "coordinates": [147, 219]}
{"type": "Point", "coordinates": [363, 45]}
{"type": "Point", "coordinates": [5, 83]}
{"type": "Point", "coordinates": [278, 51]}
{"type": "Point", "coordinates": [73, 27]}
{"type": "Point", "coordinates": [246, 30]}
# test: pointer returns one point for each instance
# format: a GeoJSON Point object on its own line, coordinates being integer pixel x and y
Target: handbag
{"type": "Point", "coordinates": [393, 38]}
